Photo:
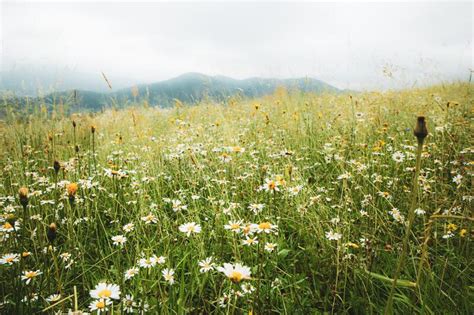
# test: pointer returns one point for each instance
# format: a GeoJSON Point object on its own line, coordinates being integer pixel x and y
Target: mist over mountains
{"type": "Point", "coordinates": [188, 88]}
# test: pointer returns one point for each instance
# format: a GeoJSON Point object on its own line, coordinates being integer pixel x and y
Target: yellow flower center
{"type": "Point", "coordinates": [9, 259]}
{"type": "Point", "coordinates": [235, 226]}
{"type": "Point", "coordinates": [236, 276]}
{"type": "Point", "coordinates": [7, 225]}
{"type": "Point", "coordinates": [264, 226]}
{"type": "Point", "coordinates": [30, 274]}
{"type": "Point", "coordinates": [100, 304]}
{"type": "Point", "coordinates": [106, 293]}
{"type": "Point", "coordinates": [271, 185]}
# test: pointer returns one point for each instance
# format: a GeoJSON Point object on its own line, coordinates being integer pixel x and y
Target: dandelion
{"type": "Point", "coordinates": [333, 236]}
{"type": "Point", "coordinates": [23, 195]}
{"type": "Point", "coordinates": [99, 305]}
{"type": "Point", "coordinates": [71, 189]}
{"type": "Point", "coordinates": [189, 228]}
{"type": "Point", "coordinates": [30, 275]}
{"type": "Point", "coordinates": [130, 273]}
{"type": "Point", "coordinates": [206, 265]}
{"type": "Point", "coordinates": [105, 291]}
{"type": "Point", "coordinates": [9, 259]}
{"type": "Point", "coordinates": [236, 272]}
{"type": "Point", "coordinates": [119, 240]}
{"type": "Point", "coordinates": [168, 275]}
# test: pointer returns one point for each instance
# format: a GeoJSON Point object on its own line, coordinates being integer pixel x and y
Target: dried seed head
{"type": "Point", "coordinates": [56, 166]}
{"type": "Point", "coordinates": [420, 129]}
{"type": "Point", "coordinates": [74, 124]}
{"type": "Point", "coordinates": [23, 194]}
{"type": "Point", "coordinates": [93, 129]}
{"type": "Point", "coordinates": [52, 233]}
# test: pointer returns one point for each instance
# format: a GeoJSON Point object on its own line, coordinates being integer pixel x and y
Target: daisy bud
{"type": "Point", "coordinates": [23, 194]}
{"type": "Point", "coordinates": [56, 166]}
{"type": "Point", "coordinates": [420, 130]}
{"type": "Point", "coordinates": [74, 124]}
{"type": "Point", "coordinates": [51, 234]}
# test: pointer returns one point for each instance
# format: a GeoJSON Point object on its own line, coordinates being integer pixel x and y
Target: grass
{"type": "Point", "coordinates": [332, 173]}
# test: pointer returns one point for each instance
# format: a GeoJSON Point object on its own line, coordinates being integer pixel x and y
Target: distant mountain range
{"type": "Point", "coordinates": [187, 88]}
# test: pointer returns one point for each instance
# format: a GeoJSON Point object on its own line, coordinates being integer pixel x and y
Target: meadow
{"type": "Point", "coordinates": [292, 203]}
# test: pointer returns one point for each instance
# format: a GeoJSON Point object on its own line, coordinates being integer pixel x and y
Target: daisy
{"type": "Point", "coordinates": [249, 241]}
{"type": "Point", "coordinates": [100, 305]}
{"type": "Point", "coordinates": [270, 185]}
{"type": "Point", "coordinates": [30, 275]}
{"type": "Point", "coordinates": [119, 240]}
{"type": "Point", "coordinates": [53, 298]}
{"type": "Point", "coordinates": [233, 226]}
{"type": "Point", "coordinates": [249, 229]}
{"type": "Point", "coordinates": [168, 275]}
{"type": "Point", "coordinates": [147, 262]}
{"type": "Point", "coordinates": [130, 273]}
{"type": "Point", "coordinates": [270, 247]}
{"type": "Point", "coordinates": [398, 157]}
{"type": "Point", "coordinates": [397, 215]}
{"type": "Point", "coordinates": [295, 190]}
{"type": "Point", "coordinates": [178, 205]}
{"type": "Point", "coordinates": [332, 236]}
{"type": "Point", "coordinates": [128, 227]}
{"type": "Point", "coordinates": [9, 259]}
{"type": "Point", "coordinates": [224, 157]}
{"type": "Point", "coordinates": [189, 228]}
{"type": "Point", "coordinates": [420, 212]}
{"type": "Point", "coordinates": [150, 218]}
{"type": "Point", "coordinates": [206, 265]}
{"type": "Point", "coordinates": [256, 207]}
{"type": "Point", "coordinates": [457, 179]}
{"type": "Point", "coordinates": [128, 303]}
{"type": "Point", "coordinates": [235, 273]}
{"type": "Point", "coordinates": [265, 227]}
{"type": "Point", "coordinates": [106, 291]}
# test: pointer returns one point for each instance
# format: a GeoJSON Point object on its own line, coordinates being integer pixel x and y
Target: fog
{"type": "Point", "coordinates": [349, 45]}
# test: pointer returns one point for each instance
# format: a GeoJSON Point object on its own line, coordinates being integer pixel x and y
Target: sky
{"type": "Point", "coordinates": [363, 46]}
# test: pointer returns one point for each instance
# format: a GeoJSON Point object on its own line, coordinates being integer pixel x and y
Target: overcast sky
{"type": "Point", "coordinates": [345, 44]}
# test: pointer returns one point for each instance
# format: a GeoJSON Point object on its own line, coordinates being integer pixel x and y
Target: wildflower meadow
{"type": "Point", "coordinates": [293, 203]}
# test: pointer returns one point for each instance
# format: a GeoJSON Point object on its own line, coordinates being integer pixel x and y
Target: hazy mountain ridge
{"type": "Point", "coordinates": [187, 88]}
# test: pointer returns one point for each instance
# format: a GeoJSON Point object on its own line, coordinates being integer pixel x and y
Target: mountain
{"type": "Point", "coordinates": [188, 88]}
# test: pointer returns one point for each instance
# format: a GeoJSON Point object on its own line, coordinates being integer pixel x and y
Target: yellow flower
{"type": "Point", "coordinates": [463, 233]}
{"type": "Point", "coordinates": [71, 189]}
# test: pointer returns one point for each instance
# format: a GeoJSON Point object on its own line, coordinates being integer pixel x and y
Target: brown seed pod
{"type": "Point", "coordinates": [420, 129]}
